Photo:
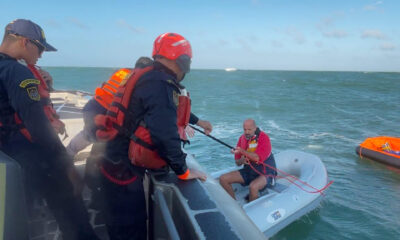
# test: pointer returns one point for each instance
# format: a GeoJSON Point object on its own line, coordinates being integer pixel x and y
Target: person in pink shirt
{"type": "Point", "coordinates": [254, 151]}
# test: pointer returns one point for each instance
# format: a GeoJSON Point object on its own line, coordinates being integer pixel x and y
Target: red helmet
{"type": "Point", "coordinates": [171, 46]}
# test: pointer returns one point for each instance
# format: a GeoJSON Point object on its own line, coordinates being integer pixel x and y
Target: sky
{"type": "Point", "coordinates": [318, 35]}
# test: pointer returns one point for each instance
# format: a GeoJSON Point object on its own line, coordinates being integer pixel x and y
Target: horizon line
{"type": "Point", "coordinates": [239, 69]}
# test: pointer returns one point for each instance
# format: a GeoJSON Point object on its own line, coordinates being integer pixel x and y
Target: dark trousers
{"type": "Point", "coordinates": [124, 209]}
{"type": "Point", "coordinates": [52, 183]}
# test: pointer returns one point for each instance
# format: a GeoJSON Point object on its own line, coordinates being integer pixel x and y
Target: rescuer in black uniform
{"type": "Point", "coordinates": [153, 103]}
{"type": "Point", "coordinates": [27, 135]}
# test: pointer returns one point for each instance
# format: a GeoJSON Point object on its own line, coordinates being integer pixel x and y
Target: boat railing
{"type": "Point", "coordinates": [166, 223]}
{"type": "Point", "coordinates": [13, 225]}
{"type": "Point", "coordinates": [195, 210]}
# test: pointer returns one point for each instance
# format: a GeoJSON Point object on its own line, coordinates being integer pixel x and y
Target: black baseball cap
{"type": "Point", "coordinates": [30, 30]}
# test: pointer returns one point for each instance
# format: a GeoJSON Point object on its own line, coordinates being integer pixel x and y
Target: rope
{"type": "Point", "coordinates": [360, 152]}
{"type": "Point", "coordinates": [115, 180]}
{"type": "Point", "coordinates": [288, 176]}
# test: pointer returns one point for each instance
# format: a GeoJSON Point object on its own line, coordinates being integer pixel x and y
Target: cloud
{"type": "Point", "coordinates": [276, 44]}
{"type": "Point", "coordinates": [124, 24]}
{"type": "Point", "coordinates": [53, 23]}
{"type": "Point", "coordinates": [335, 34]}
{"type": "Point", "coordinates": [245, 45]}
{"type": "Point", "coordinates": [377, 34]}
{"type": "Point", "coordinates": [325, 23]}
{"type": "Point", "coordinates": [222, 42]}
{"type": "Point", "coordinates": [327, 26]}
{"type": "Point", "coordinates": [373, 7]}
{"type": "Point", "coordinates": [296, 35]}
{"type": "Point", "coordinates": [319, 44]}
{"type": "Point", "coordinates": [329, 21]}
{"type": "Point", "coordinates": [387, 46]}
{"type": "Point", "coordinates": [78, 23]}
{"type": "Point", "coordinates": [253, 38]}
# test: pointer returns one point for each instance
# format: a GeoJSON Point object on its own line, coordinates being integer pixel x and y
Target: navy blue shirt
{"type": "Point", "coordinates": [19, 94]}
{"type": "Point", "coordinates": [153, 102]}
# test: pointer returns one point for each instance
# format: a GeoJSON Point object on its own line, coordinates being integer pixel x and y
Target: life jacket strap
{"type": "Point", "coordinates": [137, 140]}
{"type": "Point", "coordinates": [133, 137]}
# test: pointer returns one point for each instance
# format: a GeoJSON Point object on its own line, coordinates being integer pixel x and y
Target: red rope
{"type": "Point", "coordinates": [117, 181]}
{"type": "Point", "coordinates": [288, 176]}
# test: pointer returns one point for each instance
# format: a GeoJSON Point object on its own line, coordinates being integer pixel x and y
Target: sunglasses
{"type": "Point", "coordinates": [38, 45]}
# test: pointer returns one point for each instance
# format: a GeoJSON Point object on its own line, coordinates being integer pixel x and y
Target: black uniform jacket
{"type": "Point", "coordinates": [19, 94]}
{"type": "Point", "coordinates": [153, 102]}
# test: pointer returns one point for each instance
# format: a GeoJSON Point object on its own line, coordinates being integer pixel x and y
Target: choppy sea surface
{"type": "Point", "coordinates": [324, 113]}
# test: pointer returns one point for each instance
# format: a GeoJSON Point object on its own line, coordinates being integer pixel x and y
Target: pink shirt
{"type": "Point", "coordinates": [263, 149]}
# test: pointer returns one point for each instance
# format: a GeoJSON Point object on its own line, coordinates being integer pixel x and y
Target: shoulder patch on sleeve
{"type": "Point", "coordinates": [33, 93]}
{"type": "Point", "coordinates": [175, 97]}
{"type": "Point", "coordinates": [26, 82]}
{"type": "Point", "coordinates": [170, 82]}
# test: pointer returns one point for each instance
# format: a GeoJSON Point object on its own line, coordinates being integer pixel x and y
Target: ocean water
{"type": "Point", "coordinates": [324, 113]}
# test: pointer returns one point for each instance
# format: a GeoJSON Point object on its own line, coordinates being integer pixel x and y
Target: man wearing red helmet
{"type": "Point", "coordinates": [154, 105]}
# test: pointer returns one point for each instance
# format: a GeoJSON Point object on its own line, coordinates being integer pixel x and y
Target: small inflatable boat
{"type": "Point", "coordinates": [382, 149]}
{"type": "Point", "coordinates": [290, 198]}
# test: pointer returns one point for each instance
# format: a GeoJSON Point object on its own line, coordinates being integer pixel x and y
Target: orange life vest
{"type": "Point", "coordinates": [141, 151]}
{"type": "Point", "coordinates": [104, 94]}
{"type": "Point", "coordinates": [253, 142]}
{"type": "Point", "coordinates": [48, 109]}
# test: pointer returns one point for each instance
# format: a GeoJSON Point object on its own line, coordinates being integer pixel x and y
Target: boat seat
{"type": "Point", "coordinates": [278, 187]}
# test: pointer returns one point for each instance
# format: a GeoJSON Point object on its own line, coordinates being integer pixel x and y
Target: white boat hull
{"type": "Point", "coordinates": [286, 202]}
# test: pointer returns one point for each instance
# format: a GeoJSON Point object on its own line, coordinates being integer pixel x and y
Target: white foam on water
{"type": "Point", "coordinates": [274, 125]}
{"type": "Point", "coordinates": [384, 120]}
{"type": "Point", "coordinates": [314, 146]}
{"type": "Point", "coordinates": [369, 133]}
{"type": "Point", "coordinates": [226, 130]}
{"type": "Point", "coordinates": [341, 110]}
{"type": "Point", "coordinates": [337, 136]}
{"type": "Point", "coordinates": [257, 104]}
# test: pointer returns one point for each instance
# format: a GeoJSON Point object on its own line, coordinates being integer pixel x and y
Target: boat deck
{"type": "Point", "coordinates": [43, 226]}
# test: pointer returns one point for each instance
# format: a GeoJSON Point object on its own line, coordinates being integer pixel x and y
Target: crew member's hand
{"type": "Point", "coordinates": [75, 179]}
{"type": "Point", "coordinates": [197, 174]}
{"type": "Point", "coordinates": [206, 125]}
{"type": "Point", "coordinates": [189, 131]}
{"type": "Point", "coordinates": [47, 78]}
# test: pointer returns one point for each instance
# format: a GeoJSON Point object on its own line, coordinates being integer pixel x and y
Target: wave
{"type": "Point", "coordinates": [342, 110]}
{"type": "Point", "coordinates": [274, 125]}
{"type": "Point", "coordinates": [384, 120]}
{"type": "Point", "coordinates": [314, 146]}
{"type": "Point", "coordinates": [337, 136]}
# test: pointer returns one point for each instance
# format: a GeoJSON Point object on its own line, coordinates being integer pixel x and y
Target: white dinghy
{"type": "Point", "coordinates": [286, 202]}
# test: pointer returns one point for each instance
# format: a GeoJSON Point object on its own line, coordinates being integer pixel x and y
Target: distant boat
{"type": "Point", "coordinates": [230, 69]}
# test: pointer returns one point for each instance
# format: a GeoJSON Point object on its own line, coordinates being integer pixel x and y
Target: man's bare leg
{"type": "Point", "coordinates": [255, 186]}
{"type": "Point", "coordinates": [227, 179]}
